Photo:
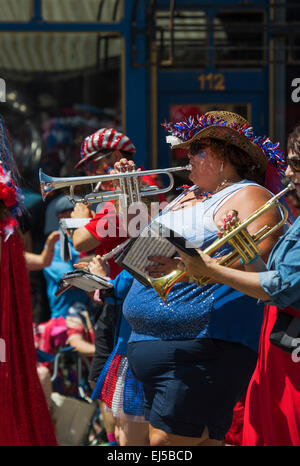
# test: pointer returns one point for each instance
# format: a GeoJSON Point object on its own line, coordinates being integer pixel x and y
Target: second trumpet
{"type": "Point", "coordinates": [128, 181]}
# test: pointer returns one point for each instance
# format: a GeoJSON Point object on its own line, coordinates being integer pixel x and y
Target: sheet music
{"type": "Point", "coordinates": [116, 250]}
{"type": "Point", "coordinates": [72, 223]}
{"type": "Point", "coordinates": [147, 244]}
{"type": "Point", "coordinates": [84, 280]}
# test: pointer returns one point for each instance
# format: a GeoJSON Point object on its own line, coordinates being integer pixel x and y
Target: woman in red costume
{"type": "Point", "coordinates": [24, 415]}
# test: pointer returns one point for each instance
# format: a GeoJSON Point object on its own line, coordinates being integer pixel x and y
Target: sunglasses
{"type": "Point", "coordinates": [91, 165]}
{"type": "Point", "coordinates": [294, 164]}
{"type": "Point", "coordinates": [196, 147]}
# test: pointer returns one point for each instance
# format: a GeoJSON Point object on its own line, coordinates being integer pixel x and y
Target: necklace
{"type": "Point", "coordinates": [203, 195]}
{"type": "Point", "coordinates": [225, 182]}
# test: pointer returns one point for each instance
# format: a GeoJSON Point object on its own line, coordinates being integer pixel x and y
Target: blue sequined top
{"type": "Point", "coordinates": [213, 311]}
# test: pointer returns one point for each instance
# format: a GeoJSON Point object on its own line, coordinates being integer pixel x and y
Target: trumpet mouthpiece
{"type": "Point", "coordinates": [287, 183]}
{"type": "Point", "coordinates": [291, 186]}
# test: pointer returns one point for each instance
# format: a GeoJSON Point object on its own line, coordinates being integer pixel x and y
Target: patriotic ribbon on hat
{"type": "Point", "coordinates": [10, 194]}
{"type": "Point", "coordinates": [8, 225]}
{"type": "Point", "coordinates": [12, 197]}
{"type": "Point", "coordinates": [184, 130]}
{"type": "Point", "coordinates": [6, 157]}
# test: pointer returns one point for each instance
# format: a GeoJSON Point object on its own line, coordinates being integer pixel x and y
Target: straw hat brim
{"type": "Point", "coordinates": [230, 136]}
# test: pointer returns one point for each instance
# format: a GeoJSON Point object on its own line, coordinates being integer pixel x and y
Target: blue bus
{"type": "Point", "coordinates": [72, 66]}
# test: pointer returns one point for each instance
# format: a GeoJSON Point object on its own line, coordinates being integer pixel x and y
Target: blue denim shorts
{"type": "Point", "coordinates": [191, 384]}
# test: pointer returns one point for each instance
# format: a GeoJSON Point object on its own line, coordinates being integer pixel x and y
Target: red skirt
{"type": "Point", "coordinates": [272, 410]}
{"type": "Point", "coordinates": [24, 415]}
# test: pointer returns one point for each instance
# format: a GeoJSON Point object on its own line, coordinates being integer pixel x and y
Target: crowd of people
{"type": "Point", "coordinates": [212, 364]}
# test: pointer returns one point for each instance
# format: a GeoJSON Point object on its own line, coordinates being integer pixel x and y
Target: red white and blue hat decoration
{"type": "Point", "coordinates": [104, 139]}
{"type": "Point", "coordinates": [232, 129]}
{"type": "Point", "coordinates": [10, 193]}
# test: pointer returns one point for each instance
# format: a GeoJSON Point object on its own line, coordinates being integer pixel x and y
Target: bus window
{"type": "Point", "coordinates": [294, 55]}
{"type": "Point", "coordinates": [239, 39]}
{"type": "Point", "coordinates": [183, 39]}
{"type": "Point", "coordinates": [16, 10]}
{"type": "Point", "coordinates": [102, 11]}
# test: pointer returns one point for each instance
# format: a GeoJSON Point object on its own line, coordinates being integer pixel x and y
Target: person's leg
{"type": "Point", "coordinates": [107, 417]}
{"type": "Point", "coordinates": [45, 379]}
{"type": "Point", "coordinates": [104, 340]}
{"type": "Point", "coordinates": [131, 433]}
{"type": "Point", "coordinates": [159, 437]}
{"type": "Point", "coordinates": [108, 421]}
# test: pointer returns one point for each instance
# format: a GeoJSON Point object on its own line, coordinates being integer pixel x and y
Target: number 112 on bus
{"type": "Point", "coordinates": [212, 82]}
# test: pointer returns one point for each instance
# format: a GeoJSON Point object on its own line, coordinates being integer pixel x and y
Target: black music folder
{"type": "Point", "coordinates": [84, 280]}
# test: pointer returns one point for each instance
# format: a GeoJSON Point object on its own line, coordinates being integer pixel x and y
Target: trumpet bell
{"type": "Point", "coordinates": [162, 285]}
{"type": "Point", "coordinates": [46, 184]}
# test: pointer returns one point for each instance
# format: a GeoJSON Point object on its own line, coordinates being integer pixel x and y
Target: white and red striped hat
{"type": "Point", "coordinates": [104, 139]}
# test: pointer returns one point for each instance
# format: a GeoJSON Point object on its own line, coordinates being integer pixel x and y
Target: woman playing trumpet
{"type": "Point", "coordinates": [195, 354]}
{"type": "Point", "coordinates": [272, 411]}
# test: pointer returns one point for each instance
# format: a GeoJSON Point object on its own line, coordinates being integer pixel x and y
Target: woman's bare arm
{"type": "Point", "coordinates": [83, 240]}
{"type": "Point", "coordinates": [40, 261]}
{"type": "Point", "coordinates": [81, 345]}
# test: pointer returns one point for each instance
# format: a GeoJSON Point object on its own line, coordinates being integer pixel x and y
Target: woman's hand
{"type": "Point", "coordinates": [96, 266]}
{"type": "Point", "coordinates": [163, 266]}
{"type": "Point", "coordinates": [123, 166]}
{"type": "Point", "coordinates": [40, 261]}
{"type": "Point", "coordinates": [229, 221]}
{"type": "Point", "coordinates": [197, 266]}
{"type": "Point", "coordinates": [48, 251]}
{"type": "Point", "coordinates": [99, 267]}
{"type": "Point", "coordinates": [82, 211]}
{"type": "Point", "coordinates": [81, 265]}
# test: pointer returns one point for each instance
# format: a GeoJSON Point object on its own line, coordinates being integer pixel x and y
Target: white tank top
{"type": "Point", "coordinates": [196, 222]}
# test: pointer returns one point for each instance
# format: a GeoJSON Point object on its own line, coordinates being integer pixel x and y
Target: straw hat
{"type": "Point", "coordinates": [230, 128]}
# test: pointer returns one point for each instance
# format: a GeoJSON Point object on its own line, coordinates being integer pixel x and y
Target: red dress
{"type": "Point", "coordinates": [235, 434]}
{"type": "Point", "coordinates": [272, 411]}
{"type": "Point", "coordinates": [24, 415]}
{"type": "Point", "coordinates": [106, 229]}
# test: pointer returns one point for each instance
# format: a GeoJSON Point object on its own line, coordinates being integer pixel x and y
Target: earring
{"type": "Point", "coordinates": [222, 167]}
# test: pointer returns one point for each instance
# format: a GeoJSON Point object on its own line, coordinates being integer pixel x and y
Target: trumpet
{"type": "Point", "coordinates": [245, 246]}
{"type": "Point", "coordinates": [129, 185]}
